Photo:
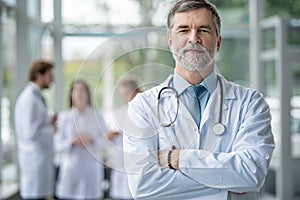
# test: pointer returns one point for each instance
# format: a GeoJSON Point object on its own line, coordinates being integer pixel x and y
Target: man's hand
{"type": "Point", "coordinates": [112, 135]}
{"type": "Point", "coordinates": [53, 122]}
{"type": "Point", "coordinates": [163, 158]}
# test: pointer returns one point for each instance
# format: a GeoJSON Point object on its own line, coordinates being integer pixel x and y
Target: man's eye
{"type": "Point", "coordinates": [204, 31]}
{"type": "Point", "coordinates": [182, 31]}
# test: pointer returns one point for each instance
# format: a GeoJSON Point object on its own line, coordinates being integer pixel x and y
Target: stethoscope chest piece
{"type": "Point", "coordinates": [219, 129]}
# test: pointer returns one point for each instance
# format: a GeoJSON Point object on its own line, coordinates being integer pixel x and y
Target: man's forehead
{"type": "Point", "coordinates": [199, 16]}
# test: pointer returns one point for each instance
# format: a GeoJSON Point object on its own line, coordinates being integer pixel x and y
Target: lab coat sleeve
{"type": "Point", "coordinates": [100, 138]}
{"type": "Point", "coordinates": [100, 142]}
{"type": "Point", "coordinates": [147, 180]}
{"type": "Point", "coordinates": [244, 167]}
{"type": "Point", "coordinates": [62, 139]}
{"type": "Point", "coordinates": [35, 120]}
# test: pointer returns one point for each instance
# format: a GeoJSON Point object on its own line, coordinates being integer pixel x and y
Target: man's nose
{"type": "Point", "coordinates": [194, 37]}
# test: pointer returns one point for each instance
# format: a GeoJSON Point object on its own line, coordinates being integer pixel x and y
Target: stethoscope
{"type": "Point", "coordinates": [218, 128]}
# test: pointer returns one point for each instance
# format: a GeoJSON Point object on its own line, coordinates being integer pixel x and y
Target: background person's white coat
{"type": "Point", "coordinates": [35, 144]}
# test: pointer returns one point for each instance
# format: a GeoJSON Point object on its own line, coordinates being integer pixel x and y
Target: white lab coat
{"type": "Point", "coordinates": [119, 188]}
{"type": "Point", "coordinates": [35, 144]}
{"type": "Point", "coordinates": [81, 169]}
{"type": "Point", "coordinates": [211, 166]}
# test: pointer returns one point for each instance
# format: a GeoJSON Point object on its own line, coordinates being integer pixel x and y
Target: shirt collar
{"type": "Point", "coordinates": [180, 84]}
{"type": "Point", "coordinates": [35, 86]}
{"type": "Point", "coordinates": [210, 82]}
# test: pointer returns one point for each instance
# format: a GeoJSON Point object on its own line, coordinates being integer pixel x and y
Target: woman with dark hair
{"type": "Point", "coordinates": [80, 139]}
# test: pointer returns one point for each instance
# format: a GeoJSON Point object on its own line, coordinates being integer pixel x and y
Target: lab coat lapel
{"type": "Point", "coordinates": [212, 109]}
{"type": "Point", "coordinates": [186, 129]}
{"type": "Point", "coordinates": [186, 124]}
{"type": "Point", "coordinates": [209, 118]}
{"type": "Point", "coordinates": [37, 94]}
{"type": "Point", "coordinates": [211, 115]}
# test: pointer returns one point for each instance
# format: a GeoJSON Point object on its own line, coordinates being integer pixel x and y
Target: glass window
{"type": "Point", "coordinates": [100, 12]}
{"type": "Point", "coordinates": [33, 7]}
{"type": "Point", "coordinates": [79, 61]}
{"type": "Point", "coordinates": [294, 32]}
{"type": "Point", "coordinates": [295, 65]}
{"type": "Point", "coordinates": [271, 79]}
{"type": "Point", "coordinates": [234, 64]}
{"type": "Point", "coordinates": [8, 167]}
{"type": "Point", "coordinates": [7, 90]}
{"type": "Point", "coordinates": [47, 11]}
{"type": "Point", "coordinates": [269, 39]}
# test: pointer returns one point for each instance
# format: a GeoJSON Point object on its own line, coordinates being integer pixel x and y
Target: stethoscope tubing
{"type": "Point", "coordinates": [221, 99]}
{"type": "Point", "coordinates": [158, 105]}
{"type": "Point", "coordinates": [218, 128]}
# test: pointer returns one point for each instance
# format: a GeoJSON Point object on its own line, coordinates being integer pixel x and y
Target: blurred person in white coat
{"type": "Point", "coordinates": [119, 189]}
{"type": "Point", "coordinates": [35, 130]}
{"type": "Point", "coordinates": [79, 140]}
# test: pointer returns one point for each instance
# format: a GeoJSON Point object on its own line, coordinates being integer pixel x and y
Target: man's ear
{"type": "Point", "coordinates": [219, 42]}
{"type": "Point", "coordinates": [169, 40]}
{"type": "Point", "coordinates": [37, 76]}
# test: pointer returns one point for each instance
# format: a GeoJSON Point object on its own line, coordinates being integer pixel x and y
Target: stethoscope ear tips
{"type": "Point", "coordinates": [219, 129]}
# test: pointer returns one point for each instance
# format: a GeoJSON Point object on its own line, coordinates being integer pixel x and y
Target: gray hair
{"type": "Point", "coordinates": [189, 5]}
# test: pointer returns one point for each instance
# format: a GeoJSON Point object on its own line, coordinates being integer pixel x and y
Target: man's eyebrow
{"type": "Point", "coordinates": [206, 26]}
{"type": "Point", "coordinates": [182, 27]}
{"type": "Point", "coordinates": [199, 27]}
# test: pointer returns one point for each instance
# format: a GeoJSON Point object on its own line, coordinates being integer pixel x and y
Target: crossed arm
{"type": "Point", "coordinates": [199, 173]}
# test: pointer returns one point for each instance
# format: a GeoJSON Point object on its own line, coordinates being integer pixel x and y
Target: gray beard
{"type": "Point", "coordinates": [193, 62]}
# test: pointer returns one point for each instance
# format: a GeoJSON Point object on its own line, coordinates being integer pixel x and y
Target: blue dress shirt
{"type": "Point", "coordinates": [187, 94]}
